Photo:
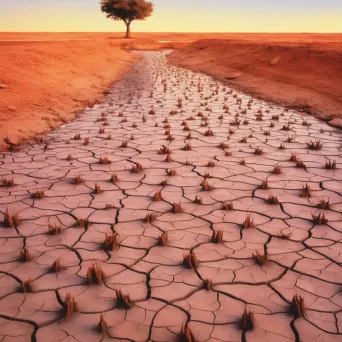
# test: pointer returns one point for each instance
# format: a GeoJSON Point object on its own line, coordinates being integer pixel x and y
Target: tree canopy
{"type": "Point", "coordinates": [127, 10]}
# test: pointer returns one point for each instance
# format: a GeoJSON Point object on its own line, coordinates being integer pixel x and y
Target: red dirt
{"type": "Point", "coordinates": [307, 75]}
{"type": "Point", "coordinates": [46, 84]}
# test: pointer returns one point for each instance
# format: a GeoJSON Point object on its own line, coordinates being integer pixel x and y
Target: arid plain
{"type": "Point", "coordinates": [158, 195]}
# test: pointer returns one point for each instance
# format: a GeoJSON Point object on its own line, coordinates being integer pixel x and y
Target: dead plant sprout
{"type": "Point", "coordinates": [123, 300]}
{"type": "Point", "coordinates": [217, 236]}
{"type": "Point", "coordinates": [185, 335]}
{"type": "Point", "coordinates": [248, 223]}
{"type": "Point", "coordinates": [190, 261]}
{"type": "Point", "coordinates": [247, 321]}
{"type": "Point", "coordinates": [70, 307]}
{"type": "Point", "coordinates": [259, 258]}
{"type": "Point", "coordinates": [95, 274]}
{"type": "Point", "coordinates": [7, 182]}
{"type": "Point", "coordinates": [111, 242]}
{"type": "Point", "coordinates": [297, 306]}
{"type": "Point", "coordinates": [163, 239]}
{"type": "Point", "coordinates": [10, 221]}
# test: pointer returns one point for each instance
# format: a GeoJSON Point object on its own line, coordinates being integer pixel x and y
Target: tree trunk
{"type": "Point", "coordinates": [128, 30]}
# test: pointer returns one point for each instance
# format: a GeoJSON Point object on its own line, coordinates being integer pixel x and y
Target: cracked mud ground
{"type": "Point", "coordinates": [101, 205]}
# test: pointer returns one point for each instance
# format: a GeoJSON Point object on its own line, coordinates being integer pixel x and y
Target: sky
{"type": "Point", "coordinates": [176, 16]}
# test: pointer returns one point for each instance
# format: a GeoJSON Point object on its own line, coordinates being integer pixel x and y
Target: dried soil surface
{"type": "Point", "coordinates": [301, 74]}
{"type": "Point", "coordinates": [234, 145]}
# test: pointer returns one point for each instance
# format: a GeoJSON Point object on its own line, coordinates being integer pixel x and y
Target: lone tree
{"type": "Point", "coordinates": [127, 11]}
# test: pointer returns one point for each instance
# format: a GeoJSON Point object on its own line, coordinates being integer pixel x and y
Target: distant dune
{"type": "Point", "coordinates": [303, 72]}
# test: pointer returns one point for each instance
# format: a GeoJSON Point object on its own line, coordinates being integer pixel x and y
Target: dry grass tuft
{"type": "Point", "coordinates": [323, 204]}
{"type": "Point", "coordinates": [330, 165]}
{"type": "Point", "coordinates": [276, 170]}
{"type": "Point", "coordinates": [157, 196]}
{"type": "Point", "coordinates": [103, 326]}
{"type": "Point", "coordinates": [244, 139]}
{"type": "Point", "coordinates": [223, 146]}
{"type": "Point", "coordinates": [187, 147]}
{"type": "Point", "coordinates": [123, 301]}
{"type": "Point", "coordinates": [111, 242]}
{"type": "Point", "coordinates": [82, 223]}
{"type": "Point", "coordinates": [248, 223]}
{"type": "Point", "coordinates": [38, 194]}
{"type": "Point", "coordinates": [306, 191]}
{"type": "Point", "coordinates": [290, 139]}
{"type": "Point", "coordinates": [164, 150]}
{"type": "Point", "coordinates": [190, 261]}
{"type": "Point", "coordinates": [282, 147]}
{"type": "Point", "coordinates": [149, 218]}
{"type": "Point", "coordinates": [259, 258]}
{"type": "Point", "coordinates": [77, 179]}
{"type": "Point", "coordinates": [56, 266]}
{"type": "Point", "coordinates": [104, 161]}
{"type": "Point", "coordinates": [54, 229]}
{"type": "Point", "coordinates": [258, 151]}
{"type": "Point", "coordinates": [163, 239]}
{"type": "Point", "coordinates": [114, 178]}
{"type": "Point", "coordinates": [315, 145]}
{"type": "Point", "coordinates": [9, 220]}
{"type": "Point", "coordinates": [283, 235]}
{"type": "Point", "coordinates": [211, 163]}
{"type": "Point", "coordinates": [242, 161]}
{"type": "Point", "coordinates": [217, 236]}
{"type": "Point", "coordinates": [97, 189]}
{"type": "Point", "coordinates": [272, 200]}
{"type": "Point", "coordinates": [293, 158]}
{"type": "Point", "coordinates": [124, 144]}
{"type": "Point", "coordinates": [319, 219]}
{"type": "Point", "coordinates": [70, 307]}
{"type": "Point", "coordinates": [297, 307]}
{"type": "Point", "coordinates": [164, 182]}
{"type": "Point", "coordinates": [227, 206]}
{"type": "Point", "coordinates": [247, 321]}
{"type": "Point", "coordinates": [264, 185]}
{"type": "Point", "coordinates": [77, 137]}
{"type": "Point", "coordinates": [177, 208]}
{"type": "Point", "coordinates": [171, 173]}
{"type": "Point", "coordinates": [300, 164]}
{"type": "Point", "coordinates": [209, 133]}
{"type": "Point", "coordinates": [24, 255]}
{"type": "Point", "coordinates": [7, 182]}
{"type": "Point", "coordinates": [206, 186]}
{"type": "Point", "coordinates": [185, 335]}
{"type": "Point", "coordinates": [26, 286]}
{"type": "Point", "coordinates": [286, 127]}
{"type": "Point", "coordinates": [95, 274]}
{"type": "Point", "coordinates": [198, 199]}
{"type": "Point", "coordinates": [168, 158]}
{"type": "Point", "coordinates": [137, 168]}
{"type": "Point", "coordinates": [208, 284]}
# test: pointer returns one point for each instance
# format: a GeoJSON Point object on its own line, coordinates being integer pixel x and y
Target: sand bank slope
{"type": "Point", "coordinates": [44, 84]}
{"type": "Point", "coordinates": [304, 75]}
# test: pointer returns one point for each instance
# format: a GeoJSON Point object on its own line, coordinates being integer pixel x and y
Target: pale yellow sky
{"type": "Point", "coordinates": [182, 16]}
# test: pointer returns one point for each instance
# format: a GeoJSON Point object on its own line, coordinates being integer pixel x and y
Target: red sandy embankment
{"type": "Point", "coordinates": [45, 84]}
{"type": "Point", "coordinates": [301, 74]}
